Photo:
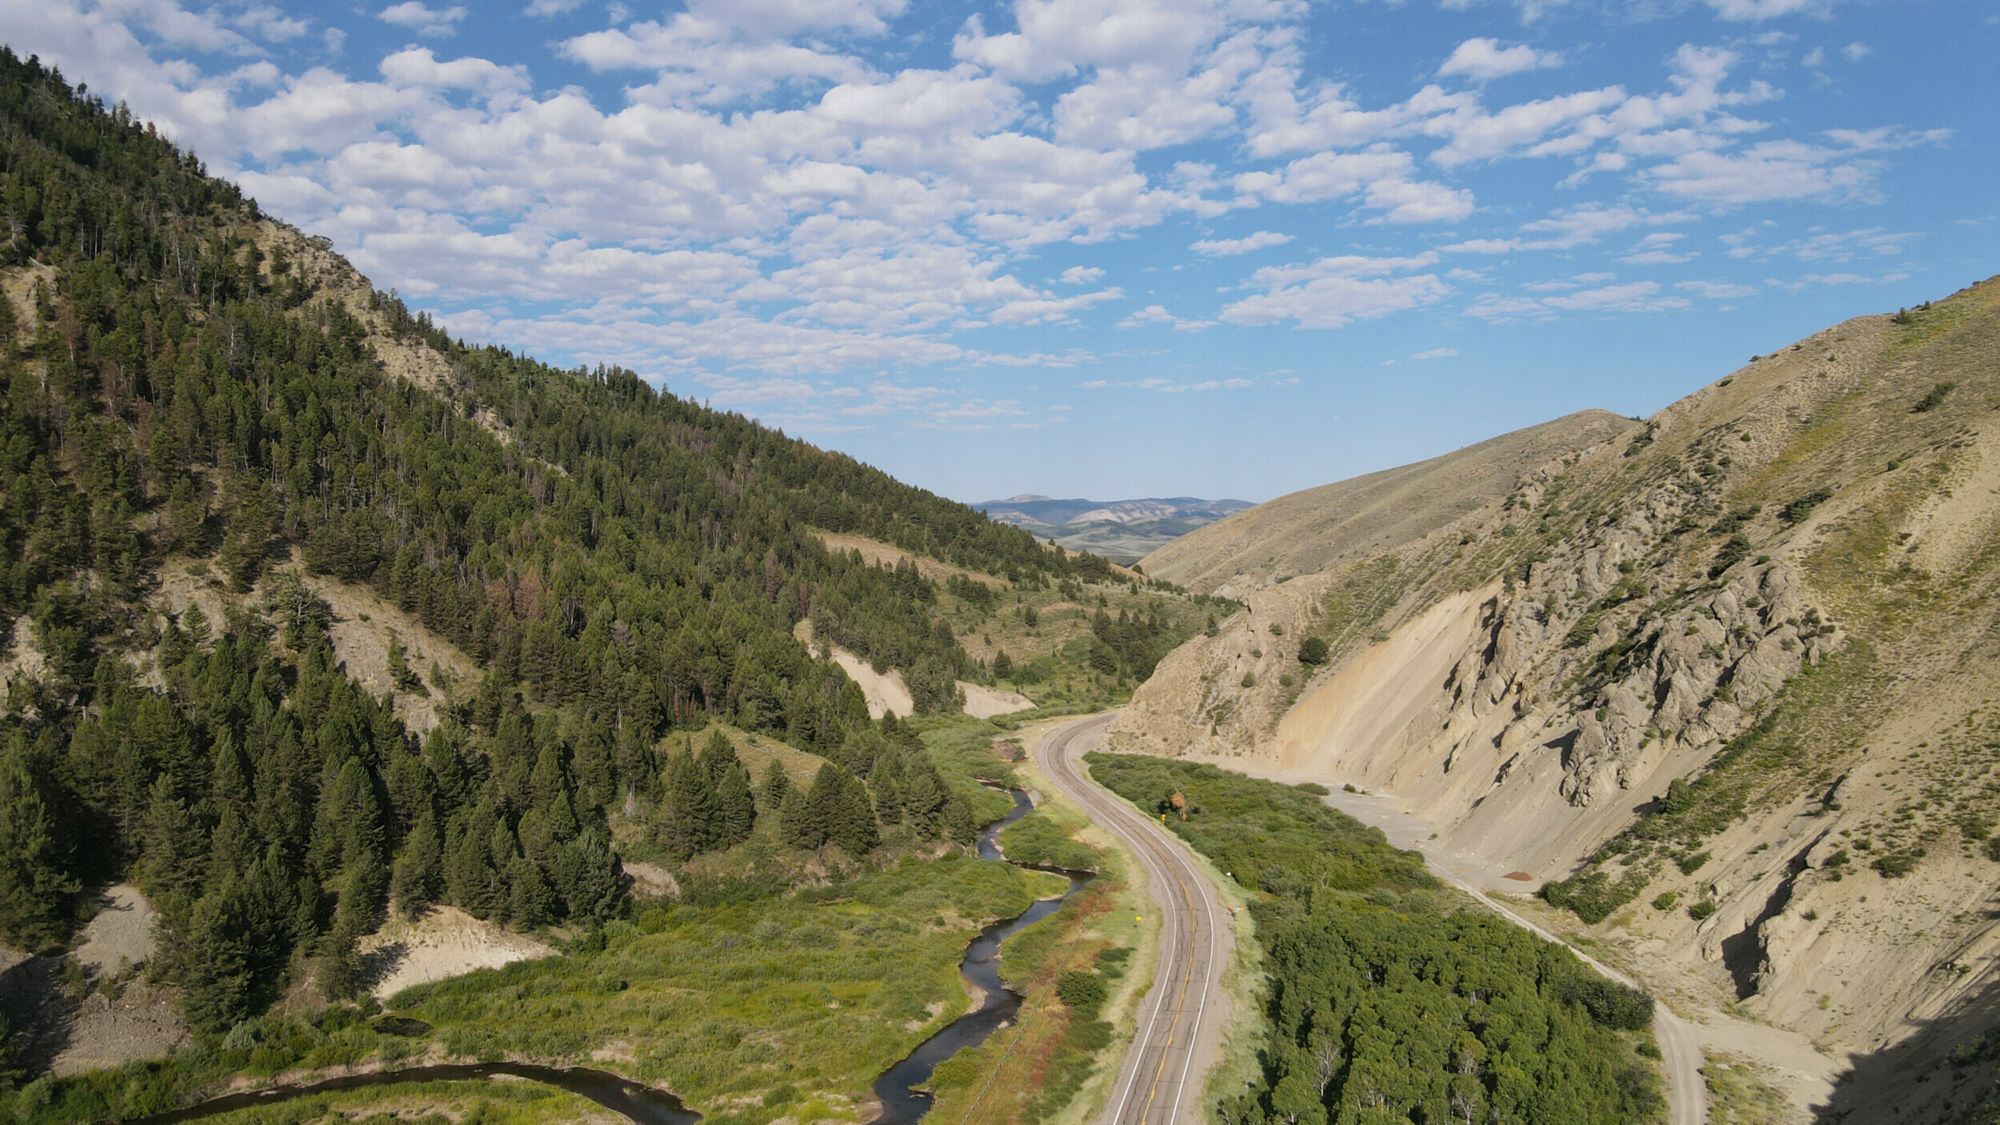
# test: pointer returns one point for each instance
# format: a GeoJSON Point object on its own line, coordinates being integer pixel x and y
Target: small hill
{"type": "Point", "coordinates": [1721, 683]}
{"type": "Point", "coordinates": [1120, 530]}
{"type": "Point", "coordinates": [1306, 532]}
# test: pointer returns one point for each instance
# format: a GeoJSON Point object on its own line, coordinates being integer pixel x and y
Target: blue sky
{"type": "Point", "coordinates": [1105, 247]}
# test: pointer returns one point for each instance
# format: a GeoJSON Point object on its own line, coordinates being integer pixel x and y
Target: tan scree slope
{"type": "Point", "coordinates": [1306, 532]}
{"type": "Point", "coordinates": [1784, 590]}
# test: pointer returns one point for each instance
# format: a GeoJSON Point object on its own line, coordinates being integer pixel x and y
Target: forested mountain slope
{"type": "Point", "coordinates": [190, 389]}
{"type": "Point", "coordinates": [1724, 682]}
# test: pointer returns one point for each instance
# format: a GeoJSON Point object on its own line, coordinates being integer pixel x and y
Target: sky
{"type": "Point", "coordinates": [1104, 248]}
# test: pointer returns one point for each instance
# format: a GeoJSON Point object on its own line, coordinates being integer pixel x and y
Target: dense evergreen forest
{"type": "Point", "coordinates": [1389, 1002]}
{"type": "Point", "coordinates": [622, 562]}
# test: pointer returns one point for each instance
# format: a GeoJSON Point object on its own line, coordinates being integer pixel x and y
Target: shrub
{"type": "Point", "coordinates": [1691, 862]}
{"type": "Point", "coordinates": [1666, 901]}
{"type": "Point", "coordinates": [1802, 507]}
{"type": "Point", "coordinates": [1934, 398]}
{"type": "Point", "coordinates": [1313, 651]}
{"type": "Point", "coordinates": [1609, 1003]}
{"type": "Point", "coordinates": [1701, 910]}
{"type": "Point", "coordinates": [1081, 991]}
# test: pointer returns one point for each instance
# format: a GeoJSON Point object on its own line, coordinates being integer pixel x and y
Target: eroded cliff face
{"type": "Point", "coordinates": [1738, 660]}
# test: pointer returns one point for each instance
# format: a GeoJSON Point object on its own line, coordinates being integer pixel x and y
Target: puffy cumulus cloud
{"type": "Point", "coordinates": [1630, 297]}
{"type": "Point", "coordinates": [1335, 291]}
{"type": "Point", "coordinates": [1380, 177]}
{"type": "Point", "coordinates": [709, 61]}
{"type": "Point", "coordinates": [1231, 247]}
{"type": "Point", "coordinates": [778, 193]}
{"type": "Point", "coordinates": [422, 18]}
{"type": "Point", "coordinates": [1767, 172]}
{"type": "Point", "coordinates": [1155, 315]}
{"type": "Point", "coordinates": [417, 66]}
{"type": "Point", "coordinates": [1581, 226]}
{"type": "Point", "coordinates": [1482, 59]}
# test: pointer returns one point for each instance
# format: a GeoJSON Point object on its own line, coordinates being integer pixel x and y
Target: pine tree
{"type": "Point", "coordinates": [35, 890]}
{"type": "Point", "coordinates": [777, 784]}
{"type": "Point", "coordinates": [588, 877]}
{"type": "Point", "coordinates": [801, 820]}
{"type": "Point", "coordinates": [736, 809]}
{"type": "Point", "coordinates": [688, 817]}
{"type": "Point", "coordinates": [419, 870]}
{"type": "Point", "coordinates": [852, 821]}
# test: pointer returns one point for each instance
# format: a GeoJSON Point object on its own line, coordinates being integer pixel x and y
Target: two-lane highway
{"type": "Point", "coordinates": [1179, 1019]}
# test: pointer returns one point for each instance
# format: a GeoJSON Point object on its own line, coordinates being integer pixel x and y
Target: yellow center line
{"type": "Point", "coordinates": [1153, 1088]}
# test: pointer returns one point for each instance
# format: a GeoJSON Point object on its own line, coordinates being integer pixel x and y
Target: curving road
{"type": "Point", "coordinates": [1161, 1078]}
{"type": "Point", "coordinates": [1160, 1081]}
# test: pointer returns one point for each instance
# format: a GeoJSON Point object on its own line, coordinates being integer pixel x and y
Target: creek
{"type": "Point", "coordinates": [901, 1087]}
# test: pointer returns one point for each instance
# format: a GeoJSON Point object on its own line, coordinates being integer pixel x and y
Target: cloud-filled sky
{"type": "Point", "coordinates": [1104, 248]}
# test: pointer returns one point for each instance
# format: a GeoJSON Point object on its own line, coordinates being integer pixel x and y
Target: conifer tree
{"type": "Point", "coordinates": [801, 820]}
{"type": "Point", "coordinates": [736, 809]}
{"type": "Point", "coordinates": [419, 870]}
{"type": "Point", "coordinates": [35, 889]}
{"type": "Point", "coordinates": [688, 817]}
{"type": "Point", "coordinates": [851, 820]}
{"type": "Point", "coordinates": [777, 784]}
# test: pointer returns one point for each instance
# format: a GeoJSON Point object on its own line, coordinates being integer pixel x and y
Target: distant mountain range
{"type": "Point", "coordinates": [1121, 530]}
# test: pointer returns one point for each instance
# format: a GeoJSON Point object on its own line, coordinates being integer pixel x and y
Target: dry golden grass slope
{"type": "Point", "coordinates": [1307, 532]}
{"type": "Point", "coordinates": [1782, 591]}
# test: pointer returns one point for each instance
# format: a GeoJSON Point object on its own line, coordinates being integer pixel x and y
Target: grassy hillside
{"type": "Point", "coordinates": [1314, 530]}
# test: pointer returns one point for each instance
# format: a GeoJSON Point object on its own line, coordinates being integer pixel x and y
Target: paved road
{"type": "Point", "coordinates": [1161, 1078]}
{"type": "Point", "coordinates": [1160, 1082]}
{"type": "Point", "coordinates": [1680, 1053]}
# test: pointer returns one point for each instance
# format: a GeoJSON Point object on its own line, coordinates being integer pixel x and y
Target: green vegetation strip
{"type": "Point", "coordinates": [1390, 1000]}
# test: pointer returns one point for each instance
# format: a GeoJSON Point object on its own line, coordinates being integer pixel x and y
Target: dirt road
{"type": "Point", "coordinates": [1176, 1043]}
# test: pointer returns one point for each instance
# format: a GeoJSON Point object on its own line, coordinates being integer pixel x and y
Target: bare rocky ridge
{"type": "Point", "coordinates": [1778, 591]}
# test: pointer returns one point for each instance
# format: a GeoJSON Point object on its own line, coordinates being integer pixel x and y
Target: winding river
{"type": "Point", "coordinates": [900, 1088]}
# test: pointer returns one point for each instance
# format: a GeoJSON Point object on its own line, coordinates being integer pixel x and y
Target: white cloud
{"type": "Point", "coordinates": [1153, 315]}
{"type": "Point", "coordinates": [1080, 275]}
{"type": "Point", "coordinates": [421, 18]}
{"type": "Point", "coordinates": [1857, 51]}
{"type": "Point", "coordinates": [1332, 292]}
{"type": "Point", "coordinates": [1436, 353]}
{"type": "Point", "coordinates": [1717, 290]}
{"type": "Point", "coordinates": [1630, 297]}
{"type": "Point", "coordinates": [1743, 10]}
{"type": "Point", "coordinates": [1656, 249]}
{"type": "Point", "coordinates": [1230, 247]}
{"type": "Point", "coordinates": [550, 8]}
{"type": "Point", "coordinates": [1482, 59]}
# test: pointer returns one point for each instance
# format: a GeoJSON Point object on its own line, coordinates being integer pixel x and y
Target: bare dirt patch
{"type": "Point", "coordinates": [985, 702]}
{"type": "Point", "coordinates": [445, 942]}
